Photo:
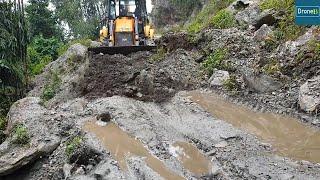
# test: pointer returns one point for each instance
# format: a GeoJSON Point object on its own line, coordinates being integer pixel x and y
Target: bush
{"type": "Point", "coordinates": [20, 134]}
{"type": "Point", "coordinates": [72, 145]}
{"type": "Point", "coordinates": [41, 52]}
{"type": "Point", "coordinates": [3, 123]}
{"type": "Point", "coordinates": [231, 84]}
{"type": "Point", "coordinates": [202, 20]}
{"type": "Point", "coordinates": [215, 61]}
{"type": "Point", "coordinates": [286, 29]}
{"type": "Point", "coordinates": [160, 55]}
{"type": "Point", "coordinates": [52, 87]}
{"type": "Point", "coordinates": [223, 20]}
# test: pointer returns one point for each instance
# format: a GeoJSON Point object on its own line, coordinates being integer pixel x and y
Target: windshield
{"type": "Point", "coordinates": [127, 7]}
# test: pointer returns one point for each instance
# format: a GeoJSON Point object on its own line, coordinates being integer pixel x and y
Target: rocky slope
{"type": "Point", "coordinates": [142, 93]}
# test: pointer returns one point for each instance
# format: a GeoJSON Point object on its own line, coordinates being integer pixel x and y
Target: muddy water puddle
{"type": "Point", "coordinates": [191, 158]}
{"type": "Point", "coordinates": [289, 137]}
{"type": "Point", "coordinates": [121, 146]}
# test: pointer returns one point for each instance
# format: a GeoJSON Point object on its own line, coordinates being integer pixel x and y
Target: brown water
{"type": "Point", "coordinates": [289, 137]}
{"type": "Point", "coordinates": [192, 159]}
{"type": "Point", "coordinates": [121, 146]}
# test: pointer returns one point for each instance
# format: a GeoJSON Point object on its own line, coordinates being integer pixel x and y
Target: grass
{"type": "Point", "coordinates": [3, 125]}
{"type": "Point", "coordinates": [160, 55]}
{"type": "Point", "coordinates": [231, 84]}
{"type": "Point", "coordinates": [73, 144]}
{"type": "Point", "coordinates": [224, 19]}
{"type": "Point", "coordinates": [52, 87]}
{"type": "Point", "coordinates": [314, 47]}
{"type": "Point", "coordinates": [272, 68]}
{"type": "Point", "coordinates": [286, 29]}
{"type": "Point", "coordinates": [203, 18]}
{"type": "Point", "coordinates": [215, 61]}
{"type": "Point", "coordinates": [37, 68]}
{"type": "Point", "coordinates": [20, 134]}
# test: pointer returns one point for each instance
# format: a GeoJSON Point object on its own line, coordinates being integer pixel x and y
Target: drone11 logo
{"type": "Point", "coordinates": [308, 12]}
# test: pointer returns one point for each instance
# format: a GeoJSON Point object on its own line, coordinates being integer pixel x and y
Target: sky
{"type": "Point", "coordinates": [149, 5]}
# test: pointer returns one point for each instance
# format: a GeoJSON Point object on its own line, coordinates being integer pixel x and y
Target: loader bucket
{"type": "Point", "coordinates": [125, 50]}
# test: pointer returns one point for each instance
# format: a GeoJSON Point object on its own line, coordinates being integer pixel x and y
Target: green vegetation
{"type": "Point", "coordinates": [223, 20]}
{"type": "Point", "coordinates": [204, 17]}
{"type": "Point", "coordinates": [231, 84]}
{"type": "Point", "coordinates": [41, 52]}
{"type": "Point", "coordinates": [286, 29]}
{"type": "Point", "coordinates": [20, 134]}
{"type": "Point", "coordinates": [215, 61]}
{"type": "Point", "coordinates": [42, 21]}
{"type": "Point", "coordinates": [272, 67]}
{"type": "Point", "coordinates": [73, 144]}
{"type": "Point", "coordinates": [3, 125]}
{"type": "Point", "coordinates": [13, 62]}
{"type": "Point", "coordinates": [160, 55]}
{"type": "Point", "coordinates": [314, 47]}
{"type": "Point", "coordinates": [52, 87]}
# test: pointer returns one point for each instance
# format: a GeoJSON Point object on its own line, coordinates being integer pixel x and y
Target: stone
{"type": "Point", "coordinates": [42, 136]}
{"type": "Point", "coordinates": [260, 83]}
{"type": "Point", "coordinates": [95, 44]}
{"type": "Point", "coordinates": [309, 96]}
{"type": "Point", "coordinates": [221, 144]}
{"type": "Point", "coordinates": [263, 33]}
{"type": "Point", "coordinates": [249, 15]}
{"type": "Point", "coordinates": [266, 17]}
{"type": "Point", "coordinates": [104, 117]}
{"type": "Point", "coordinates": [218, 78]}
{"type": "Point", "coordinates": [67, 170]}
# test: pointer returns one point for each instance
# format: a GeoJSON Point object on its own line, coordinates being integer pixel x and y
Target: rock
{"type": "Point", "coordinates": [286, 176]}
{"type": "Point", "coordinates": [218, 78]}
{"type": "Point", "coordinates": [263, 32]}
{"type": "Point", "coordinates": [309, 95]}
{"type": "Point", "coordinates": [67, 170]}
{"type": "Point", "coordinates": [221, 144]}
{"type": "Point", "coordinates": [104, 117]}
{"type": "Point", "coordinates": [79, 171]}
{"type": "Point", "coordinates": [212, 152]}
{"type": "Point", "coordinates": [260, 82]}
{"type": "Point", "coordinates": [42, 136]}
{"type": "Point", "coordinates": [266, 17]}
{"type": "Point", "coordinates": [249, 15]}
{"type": "Point", "coordinates": [95, 44]}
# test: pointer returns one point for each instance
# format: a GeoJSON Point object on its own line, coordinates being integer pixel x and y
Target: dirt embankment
{"type": "Point", "coordinates": [140, 77]}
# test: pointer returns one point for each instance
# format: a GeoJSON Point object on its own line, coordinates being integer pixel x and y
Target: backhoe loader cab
{"type": "Point", "coordinates": [126, 28]}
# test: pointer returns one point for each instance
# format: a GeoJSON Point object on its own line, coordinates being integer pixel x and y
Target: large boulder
{"type": "Point", "coordinates": [70, 68]}
{"type": "Point", "coordinates": [309, 95]}
{"type": "Point", "coordinates": [218, 78]}
{"type": "Point", "coordinates": [260, 83]}
{"type": "Point", "coordinates": [41, 136]}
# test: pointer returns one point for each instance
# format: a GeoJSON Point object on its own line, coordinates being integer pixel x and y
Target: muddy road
{"type": "Point", "coordinates": [190, 137]}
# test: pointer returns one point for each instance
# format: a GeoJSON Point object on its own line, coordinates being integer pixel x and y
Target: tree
{"type": "Point", "coordinates": [13, 45]}
{"type": "Point", "coordinates": [41, 20]}
{"type": "Point", "coordinates": [82, 16]}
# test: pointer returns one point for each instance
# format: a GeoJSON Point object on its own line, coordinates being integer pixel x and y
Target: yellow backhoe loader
{"type": "Point", "coordinates": [126, 29]}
